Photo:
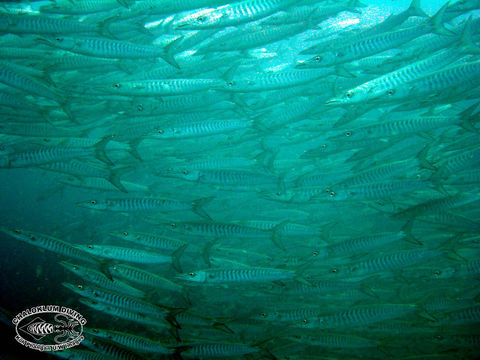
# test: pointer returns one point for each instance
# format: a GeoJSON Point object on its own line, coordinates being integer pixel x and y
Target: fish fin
{"type": "Point", "coordinates": [229, 74]}
{"type": "Point", "coordinates": [437, 21]}
{"type": "Point", "coordinates": [206, 251]}
{"type": "Point", "coordinates": [468, 123]}
{"type": "Point", "coordinates": [198, 207]}
{"type": "Point", "coordinates": [466, 42]}
{"type": "Point", "coordinates": [176, 255]}
{"type": "Point", "coordinates": [222, 327]}
{"type": "Point", "coordinates": [100, 153]}
{"type": "Point", "coordinates": [415, 9]}
{"type": "Point", "coordinates": [103, 27]}
{"type": "Point", "coordinates": [342, 71]}
{"type": "Point", "coordinates": [105, 269]}
{"type": "Point", "coordinates": [422, 158]}
{"type": "Point", "coordinates": [126, 3]}
{"type": "Point", "coordinates": [168, 55]}
{"type": "Point", "coordinates": [276, 238]}
{"type": "Point", "coordinates": [133, 148]}
{"type": "Point", "coordinates": [116, 174]}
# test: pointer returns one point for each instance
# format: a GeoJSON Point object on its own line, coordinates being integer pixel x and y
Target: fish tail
{"type": "Point", "coordinates": [100, 153]}
{"type": "Point", "coordinates": [198, 207]}
{"type": "Point", "coordinates": [168, 52]}
{"type": "Point", "coordinates": [177, 254]}
{"type": "Point", "coordinates": [115, 175]}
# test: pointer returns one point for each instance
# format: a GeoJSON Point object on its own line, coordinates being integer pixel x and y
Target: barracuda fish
{"type": "Point", "coordinates": [199, 128]}
{"type": "Point", "coordinates": [214, 350]}
{"type": "Point", "coordinates": [274, 80]}
{"type": "Point", "coordinates": [161, 87]}
{"type": "Point", "coordinates": [110, 49]}
{"type": "Point", "coordinates": [142, 277]}
{"type": "Point", "coordinates": [126, 254]}
{"type": "Point", "coordinates": [130, 341]}
{"type": "Point", "coordinates": [52, 154]}
{"type": "Point", "coordinates": [151, 240]}
{"type": "Point", "coordinates": [83, 6]}
{"type": "Point", "coordinates": [377, 190]}
{"type": "Point", "coordinates": [99, 279]}
{"type": "Point", "coordinates": [229, 15]}
{"type": "Point", "coordinates": [147, 204]}
{"type": "Point", "coordinates": [34, 24]}
{"type": "Point", "coordinates": [335, 341]}
{"type": "Point", "coordinates": [361, 315]}
{"type": "Point", "coordinates": [48, 243]}
{"type": "Point", "coordinates": [219, 276]}
{"type": "Point", "coordinates": [116, 299]}
{"type": "Point", "coordinates": [155, 322]}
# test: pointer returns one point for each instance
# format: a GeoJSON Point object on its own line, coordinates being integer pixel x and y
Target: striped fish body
{"type": "Point", "coordinates": [150, 240]}
{"type": "Point", "coordinates": [126, 314]}
{"type": "Point", "coordinates": [200, 128]}
{"type": "Point", "coordinates": [136, 204]}
{"type": "Point", "coordinates": [130, 341]}
{"type": "Point", "coordinates": [238, 275]}
{"type": "Point", "coordinates": [219, 230]}
{"type": "Point", "coordinates": [126, 254]}
{"type": "Point", "coordinates": [230, 15]}
{"type": "Point", "coordinates": [11, 77]}
{"type": "Point", "coordinates": [161, 87]}
{"type": "Point", "coordinates": [215, 350]}
{"type": "Point", "coordinates": [142, 277]}
{"type": "Point", "coordinates": [117, 300]}
{"type": "Point", "coordinates": [275, 80]}
{"type": "Point", "coordinates": [110, 49]}
{"type": "Point", "coordinates": [379, 190]}
{"type": "Point", "coordinates": [335, 341]}
{"type": "Point", "coordinates": [36, 24]}
{"type": "Point", "coordinates": [366, 242]}
{"type": "Point", "coordinates": [99, 279]}
{"type": "Point", "coordinates": [48, 243]}
{"type": "Point", "coordinates": [363, 315]}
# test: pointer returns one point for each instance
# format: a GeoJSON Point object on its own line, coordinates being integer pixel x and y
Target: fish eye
{"type": "Point", "coordinates": [185, 172]}
{"type": "Point", "coordinates": [125, 233]}
{"type": "Point", "coordinates": [117, 86]}
{"type": "Point", "coordinates": [75, 267]}
{"type": "Point", "coordinates": [349, 94]}
{"type": "Point", "coordinates": [90, 247]}
{"type": "Point", "coordinates": [317, 58]}
{"type": "Point", "coordinates": [160, 131]}
{"type": "Point", "coordinates": [173, 225]}
{"type": "Point", "coordinates": [438, 337]}
{"type": "Point", "coordinates": [305, 321]}
{"type": "Point", "coordinates": [263, 315]}
{"type": "Point", "coordinates": [80, 287]}
{"type": "Point", "coordinates": [332, 193]}
{"type": "Point", "coordinates": [17, 231]}
{"type": "Point", "coordinates": [95, 294]}
{"type": "Point", "coordinates": [390, 92]}
{"type": "Point", "coordinates": [140, 107]}
{"type": "Point", "coordinates": [192, 274]}
{"type": "Point", "coordinates": [315, 253]}
{"type": "Point", "coordinates": [201, 19]}
{"type": "Point", "coordinates": [230, 83]}
{"type": "Point", "coordinates": [334, 271]}
{"type": "Point", "coordinates": [348, 133]}
{"type": "Point", "coordinates": [93, 202]}
{"type": "Point", "coordinates": [95, 331]}
{"type": "Point", "coordinates": [278, 193]}
{"type": "Point", "coordinates": [32, 238]}
{"type": "Point", "coordinates": [59, 39]}
{"type": "Point", "coordinates": [437, 272]}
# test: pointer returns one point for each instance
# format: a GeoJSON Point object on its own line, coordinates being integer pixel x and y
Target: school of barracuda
{"type": "Point", "coordinates": [259, 179]}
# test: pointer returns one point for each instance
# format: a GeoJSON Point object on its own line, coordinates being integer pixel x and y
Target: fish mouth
{"type": "Point", "coordinates": [332, 101]}
{"type": "Point", "coordinates": [301, 65]}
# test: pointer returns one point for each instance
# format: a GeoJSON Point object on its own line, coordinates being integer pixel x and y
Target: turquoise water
{"type": "Point", "coordinates": [256, 179]}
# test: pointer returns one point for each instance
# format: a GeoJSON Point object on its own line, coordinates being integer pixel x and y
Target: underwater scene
{"type": "Point", "coordinates": [241, 179]}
